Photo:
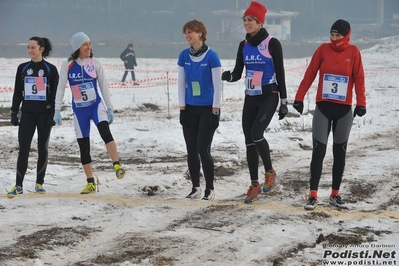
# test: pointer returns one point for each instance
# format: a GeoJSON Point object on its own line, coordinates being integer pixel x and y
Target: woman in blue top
{"type": "Point", "coordinates": [83, 72]}
{"type": "Point", "coordinates": [199, 84]}
{"type": "Point", "coordinates": [262, 57]}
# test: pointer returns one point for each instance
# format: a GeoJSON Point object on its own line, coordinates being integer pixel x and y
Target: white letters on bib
{"type": "Point", "coordinates": [335, 87]}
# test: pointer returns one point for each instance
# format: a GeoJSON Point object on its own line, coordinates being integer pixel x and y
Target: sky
{"type": "Point", "coordinates": [141, 21]}
{"type": "Point", "coordinates": [144, 219]}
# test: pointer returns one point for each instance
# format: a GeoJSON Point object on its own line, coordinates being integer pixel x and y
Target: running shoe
{"type": "Point", "coordinates": [311, 204]}
{"type": "Point", "coordinates": [337, 201]}
{"type": "Point", "coordinates": [209, 194]}
{"type": "Point", "coordinates": [120, 173]}
{"type": "Point", "coordinates": [194, 194]}
{"type": "Point", "coordinates": [39, 189]}
{"type": "Point", "coordinates": [89, 188]}
{"type": "Point", "coordinates": [270, 180]}
{"type": "Point", "coordinates": [16, 190]}
{"type": "Point", "coordinates": [252, 194]}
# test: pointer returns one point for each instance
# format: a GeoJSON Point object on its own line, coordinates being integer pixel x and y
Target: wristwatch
{"type": "Point", "coordinates": [215, 112]}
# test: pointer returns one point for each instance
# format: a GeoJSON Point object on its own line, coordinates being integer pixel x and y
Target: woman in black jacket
{"type": "Point", "coordinates": [35, 87]}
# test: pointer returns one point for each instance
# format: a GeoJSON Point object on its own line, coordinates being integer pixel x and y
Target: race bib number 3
{"type": "Point", "coordinates": [335, 87]}
{"type": "Point", "coordinates": [35, 88]}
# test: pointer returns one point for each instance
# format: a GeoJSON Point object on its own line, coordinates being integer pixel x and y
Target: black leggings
{"type": "Point", "coordinates": [131, 70]}
{"type": "Point", "coordinates": [198, 136]}
{"type": "Point", "coordinates": [28, 124]}
{"type": "Point", "coordinates": [340, 118]}
{"type": "Point", "coordinates": [84, 143]}
{"type": "Point", "coordinates": [257, 113]}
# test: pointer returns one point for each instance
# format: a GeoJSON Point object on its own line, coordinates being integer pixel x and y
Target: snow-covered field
{"type": "Point", "coordinates": [144, 218]}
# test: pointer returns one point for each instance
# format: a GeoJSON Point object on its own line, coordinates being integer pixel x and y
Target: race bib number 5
{"type": "Point", "coordinates": [335, 87]}
{"type": "Point", "coordinates": [83, 94]}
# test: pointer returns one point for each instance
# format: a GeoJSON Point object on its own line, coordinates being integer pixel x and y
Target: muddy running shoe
{"type": "Point", "coordinates": [311, 204]}
{"type": "Point", "coordinates": [15, 190]}
{"type": "Point", "coordinates": [136, 84]}
{"type": "Point", "coordinates": [90, 188]}
{"type": "Point", "coordinates": [39, 189]}
{"type": "Point", "coordinates": [209, 194]}
{"type": "Point", "coordinates": [270, 180]}
{"type": "Point", "coordinates": [337, 201]}
{"type": "Point", "coordinates": [252, 194]}
{"type": "Point", "coordinates": [120, 173]}
{"type": "Point", "coordinates": [194, 194]}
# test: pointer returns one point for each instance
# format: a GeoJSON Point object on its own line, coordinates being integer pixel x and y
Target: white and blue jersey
{"type": "Point", "coordinates": [197, 83]}
{"type": "Point", "coordinates": [86, 77]}
{"type": "Point", "coordinates": [83, 83]}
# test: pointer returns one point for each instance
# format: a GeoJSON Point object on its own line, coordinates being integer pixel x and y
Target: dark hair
{"type": "Point", "coordinates": [130, 45]}
{"type": "Point", "coordinates": [75, 54]}
{"type": "Point", "coordinates": [45, 43]}
{"type": "Point", "coordinates": [196, 26]}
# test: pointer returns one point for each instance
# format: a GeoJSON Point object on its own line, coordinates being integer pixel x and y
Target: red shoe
{"type": "Point", "coordinates": [252, 194]}
{"type": "Point", "coordinates": [270, 180]}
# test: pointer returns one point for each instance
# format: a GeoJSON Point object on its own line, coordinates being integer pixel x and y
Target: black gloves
{"type": "Point", "coordinates": [214, 121]}
{"type": "Point", "coordinates": [50, 119]}
{"type": "Point", "coordinates": [359, 111]}
{"type": "Point", "coordinates": [14, 119]}
{"type": "Point", "coordinates": [183, 118]}
{"type": "Point", "coordinates": [298, 106]}
{"type": "Point", "coordinates": [226, 75]}
{"type": "Point", "coordinates": [283, 111]}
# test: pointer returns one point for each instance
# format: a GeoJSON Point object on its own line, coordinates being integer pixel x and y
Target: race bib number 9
{"type": "Point", "coordinates": [35, 88]}
{"type": "Point", "coordinates": [335, 87]}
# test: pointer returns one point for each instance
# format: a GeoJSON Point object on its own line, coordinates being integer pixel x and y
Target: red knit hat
{"type": "Point", "coordinates": [257, 11]}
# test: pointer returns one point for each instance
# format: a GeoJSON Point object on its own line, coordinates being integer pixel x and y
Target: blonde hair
{"type": "Point", "coordinates": [197, 26]}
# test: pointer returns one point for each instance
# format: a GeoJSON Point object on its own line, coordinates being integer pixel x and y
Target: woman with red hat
{"type": "Point", "coordinates": [262, 56]}
{"type": "Point", "coordinates": [340, 68]}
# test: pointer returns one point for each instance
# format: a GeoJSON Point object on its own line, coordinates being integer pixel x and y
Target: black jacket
{"type": "Point", "coordinates": [23, 81]}
{"type": "Point", "coordinates": [129, 56]}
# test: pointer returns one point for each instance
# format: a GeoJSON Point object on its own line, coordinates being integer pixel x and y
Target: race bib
{"type": "Point", "coordinates": [335, 87]}
{"type": "Point", "coordinates": [195, 85]}
{"type": "Point", "coordinates": [84, 94]}
{"type": "Point", "coordinates": [253, 82]}
{"type": "Point", "coordinates": [35, 88]}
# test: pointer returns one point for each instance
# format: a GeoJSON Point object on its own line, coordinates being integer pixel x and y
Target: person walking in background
{"type": "Point", "coordinates": [35, 86]}
{"type": "Point", "coordinates": [199, 92]}
{"type": "Point", "coordinates": [340, 68]}
{"type": "Point", "coordinates": [83, 72]}
{"type": "Point", "coordinates": [129, 59]}
{"type": "Point", "coordinates": [262, 56]}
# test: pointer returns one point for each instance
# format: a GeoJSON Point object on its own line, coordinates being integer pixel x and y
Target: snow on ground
{"type": "Point", "coordinates": [144, 218]}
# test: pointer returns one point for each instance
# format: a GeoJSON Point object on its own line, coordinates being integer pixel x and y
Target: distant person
{"type": "Point", "coordinates": [129, 59]}
{"type": "Point", "coordinates": [84, 72]}
{"type": "Point", "coordinates": [199, 92]}
{"type": "Point", "coordinates": [340, 68]}
{"type": "Point", "coordinates": [35, 86]}
{"type": "Point", "coordinates": [262, 56]}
